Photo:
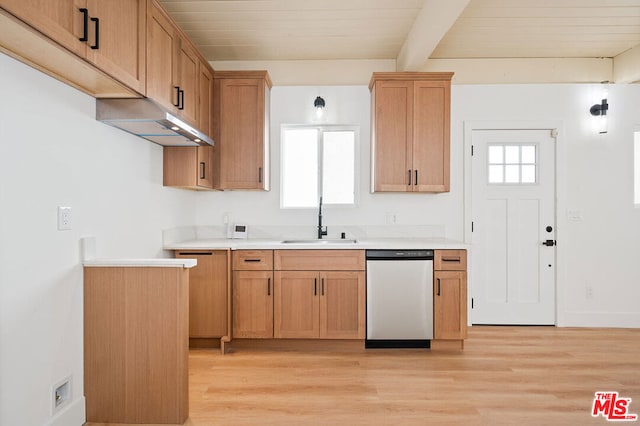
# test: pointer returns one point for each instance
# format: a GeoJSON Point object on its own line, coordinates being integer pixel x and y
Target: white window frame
{"type": "Point", "coordinates": [356, 166]}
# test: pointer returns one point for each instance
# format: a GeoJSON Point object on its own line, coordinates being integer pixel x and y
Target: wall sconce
{"type": "Point", "coordinates": [319, 106]}
{"type": "Point", "coordinates": [600, 111]}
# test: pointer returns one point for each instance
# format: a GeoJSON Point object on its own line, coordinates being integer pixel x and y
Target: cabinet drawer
{"type": "Point", "coordinates": [253, 260]}
{"type": "Point", "coordinates": [319, 260]}
{"type": "Point", "coordinates": [450, 260]}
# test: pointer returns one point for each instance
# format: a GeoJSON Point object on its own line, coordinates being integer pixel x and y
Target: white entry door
{"type": "Point", "coordinates": [513, 211]}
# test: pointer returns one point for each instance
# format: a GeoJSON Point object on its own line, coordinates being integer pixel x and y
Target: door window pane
{"type": "Point", "coordinates": [496, 154]}
{"type": "Point", "coordinates": [528, 174]}
{"type": "Point", "coordinates": [529, 154]}
{"type": "Point", "coordinates": [512, 174]}
{"type": "Point", "coordinates": [512, 164]}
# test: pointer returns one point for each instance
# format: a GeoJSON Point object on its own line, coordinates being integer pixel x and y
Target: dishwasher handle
{"type": "Point", "coordinates": [399, 255]}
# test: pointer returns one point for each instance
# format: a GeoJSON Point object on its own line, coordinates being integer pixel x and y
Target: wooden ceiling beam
{"type": "Point", "coordinates": [626, 66]}
{"type": "Point", "coordinates": [432, 23]}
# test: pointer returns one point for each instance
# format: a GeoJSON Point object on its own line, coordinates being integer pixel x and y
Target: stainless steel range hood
{"type": "Point", "coordinates": [147, 119]}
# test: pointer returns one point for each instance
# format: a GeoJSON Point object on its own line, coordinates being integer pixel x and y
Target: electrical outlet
{"type": "Point", "coordinates": [64, 218]}
{"type": "Point", "coordinates": [61, 395]}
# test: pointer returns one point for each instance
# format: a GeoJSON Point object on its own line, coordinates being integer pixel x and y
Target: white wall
{"type": "Point", "coordinates": [595, 176]}
{"type": "Point", "coordinates": [52, 153]}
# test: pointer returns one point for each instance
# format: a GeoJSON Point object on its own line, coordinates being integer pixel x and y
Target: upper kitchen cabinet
{"type": "Point", "coordinates": [241, 128]}
{"type": "Point", "coordinates": [188, 167]}
{"type": "Point", "coordinates": [410, 115]}
{"type": "Point", "coordinates": [175, 71]}
{"type": "Point", "coordinates": [108, 34]}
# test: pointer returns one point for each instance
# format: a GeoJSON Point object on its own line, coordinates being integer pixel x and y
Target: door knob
{"type": "Point", "coordinates": [549, 243]}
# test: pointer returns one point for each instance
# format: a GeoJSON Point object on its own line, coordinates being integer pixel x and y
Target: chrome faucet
{"type": "Point", "coordinates": [321, 230]}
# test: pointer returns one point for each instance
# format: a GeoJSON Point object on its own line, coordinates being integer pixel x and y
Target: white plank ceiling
{"type": "Point", "coordinates": [281, 30]}
{"type": "Point", "coordinates": [295, 29]}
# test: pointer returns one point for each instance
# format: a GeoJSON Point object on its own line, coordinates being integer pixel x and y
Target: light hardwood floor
{"type": "Point", "coordinates": [504, 376]}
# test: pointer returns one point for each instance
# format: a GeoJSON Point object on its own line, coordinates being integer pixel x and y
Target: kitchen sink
{"type": "Point", "coordinates": [324, 241]}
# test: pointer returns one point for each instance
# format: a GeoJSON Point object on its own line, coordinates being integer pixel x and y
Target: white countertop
{"type": "Point", "coordinates": [132, 263]}
{"type": "Point", "coordinates": [259, 244]}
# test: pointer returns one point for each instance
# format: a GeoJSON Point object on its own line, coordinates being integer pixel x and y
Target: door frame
{"type": "Point", "coordinates": [560, 198]}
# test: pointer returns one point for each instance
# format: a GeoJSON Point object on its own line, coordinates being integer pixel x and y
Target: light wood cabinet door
{"type": "Point", "coordinates": [241, 129]}
{"type": "Point", "coordinates": [117, 40]}
{"type": "Point", "coordinates": [162, 58]}
{"type": "Point", "coordinates": [431, 136]}
{"type": "Point", "coordinates": [205, 166]}
{"type": "Point", "coordinates": [342, 305]}
{"type": "Point", "coordinates": [108, 33]}
{"type": "Point", "coordinates": [188, 62]}
{"type": "Point", "coordinates": [188, 167]}
{"type": "Point", "coordinates": [207, 293]}
{"type": "Point", "coordinates": [61, 20]}
{"type": "Point", "coordinates": [296, 304]}
{"type": "Point", "coordinates": [253, 304]}
{"type": "Point", "coordinates": [205, 99]}
{"type": "Point", "coordinates": [449, 305]}
{"type": "Point", "coordinates": [392, 136]}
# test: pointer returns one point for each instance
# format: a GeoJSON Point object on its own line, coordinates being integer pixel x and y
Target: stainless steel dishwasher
{"type": "Point", "coordinates": [399, 298]}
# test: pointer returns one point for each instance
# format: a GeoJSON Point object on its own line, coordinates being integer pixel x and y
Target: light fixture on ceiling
{"type": "Point", "coordinates": [600, 112]}
{"type": "Point", "coordinates": [319, 106]}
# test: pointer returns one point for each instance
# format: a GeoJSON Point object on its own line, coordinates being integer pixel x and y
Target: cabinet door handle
{"type": "Point", "coordinates": [259, 174]}
{"type": "Point", "coordinates": [177, 103]}
{"type": "Point", "coordinates": [315, 286]}
{"type": "Point", "coordinates": [195, 253]}
{"type": "Point", "coordinates": [85, 20]}
{"type": "Point", "coordinates": [181, 100]}
{"type": "Point", "coordinates": [409, 172]}
{"type": "Point", "coordinates": [416, 179]}
{"type": "Point", "coordinates": [97, 26]}
{"type": "Point", "coordinates": [252, 260]}
{"type": "Point", "coordinates": [268, 286]}
{"type": "Point", "coordinates": [451, 259]}
{"type": "Point", "coordinates": [202, 170]}
{"type": "Point", "coordinates": [323, 286]}
{"type": "Point", "coordinates": [438, 286]}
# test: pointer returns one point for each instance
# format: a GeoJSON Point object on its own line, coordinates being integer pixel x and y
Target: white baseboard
{"type": "Point", "coordinates": [599, 319]}
{"type": "Point", "coordinates": [73, 415]}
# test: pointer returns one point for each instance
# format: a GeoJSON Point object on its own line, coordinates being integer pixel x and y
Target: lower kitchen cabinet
{"type": "Point", "coordinates": [449, 305]}
{"type": "Point", "coordinates": [207, 293]}
{"type": "Point", "coordinates": [253, 304]}
{"type": "Point", "coordinates": [450, 295]}
{"type": "Point", "coordinates": [310, 304]}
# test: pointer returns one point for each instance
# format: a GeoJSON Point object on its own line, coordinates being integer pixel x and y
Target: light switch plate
{"type": "Point", "coordinates": [574, 215]}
